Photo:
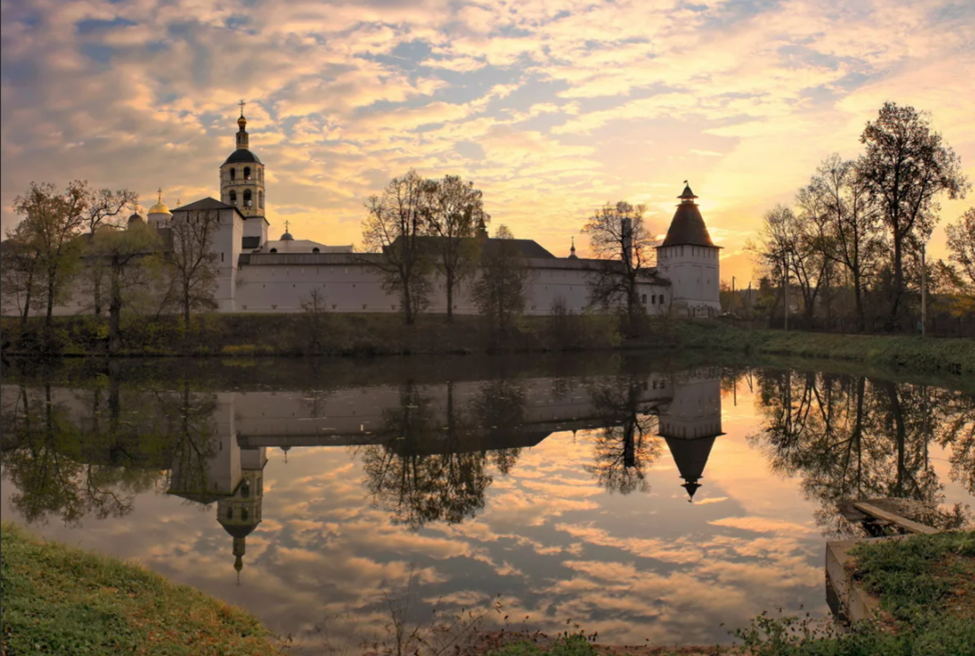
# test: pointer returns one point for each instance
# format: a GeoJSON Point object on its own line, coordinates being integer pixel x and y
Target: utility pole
{"type": "Point", "coordinates": [785, 292]}
{"type": "Point", "coordinates": [924, 291]}
{"type": "Point", "coordinates": [733, 298]}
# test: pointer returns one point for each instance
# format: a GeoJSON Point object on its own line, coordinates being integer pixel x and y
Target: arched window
{"type": "Point", "coordinates": [247, 173]}
{"type": "Point", "coordinates": [233, 174]}
{"type": "Point", "coordinates": [316, 250]}
{"type": "Point", "coordinates": [260, 199]}
{"type": "Point", "coordinates": [247, 197]}
{"type": "Point", "coordinates": [230, 512]}
{"type": "Point", "coordinates": [274, 250]}
{"type": "Point", "coordinates": [243, 514]}
{"type": "Point", "coordinates": [233, 197]}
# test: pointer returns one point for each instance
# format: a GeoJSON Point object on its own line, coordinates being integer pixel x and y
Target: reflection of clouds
{"type": "Point", "coordinates": [555, 544]}
{"type": "Point", "coordinates": [761, 525]}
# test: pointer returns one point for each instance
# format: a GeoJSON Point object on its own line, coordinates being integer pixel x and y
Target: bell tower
{"type": "Point", "coordinates": [242, 175]}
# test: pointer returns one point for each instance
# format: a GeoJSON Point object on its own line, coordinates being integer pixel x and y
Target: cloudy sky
{"type": "Point", "coordinates": [551, 107]}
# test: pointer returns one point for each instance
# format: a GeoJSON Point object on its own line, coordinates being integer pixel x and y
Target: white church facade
{"type": "Point", "coordinates": [261, 275]}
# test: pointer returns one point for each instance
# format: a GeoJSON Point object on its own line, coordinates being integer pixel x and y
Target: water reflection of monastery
{"type": "Point", "coordinates": [438, 419]}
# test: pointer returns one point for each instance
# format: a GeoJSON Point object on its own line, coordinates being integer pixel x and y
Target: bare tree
{"type": "Point", "coordinates": [315, 319]}
{"type": "Point", "coordinates": [617, 233]}
{"type": "Point", "coordinates": [193, 262]}
{"type": "Point", "coordinates": [394, 228]}
{"type": "Point", "coordinates": [851, 224]}
{"type": "Point", "coordinates": [53, 222]}
{"type": "Point", "coordinates": [500, 291]}
{"type": "Point", "coordinates": [789, 248]}
{"type": "Point", "coordinates": [905, 168]}
{"type": "Point", "coordinates": [455, 210]}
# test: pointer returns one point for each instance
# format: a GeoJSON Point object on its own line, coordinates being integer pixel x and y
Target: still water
{"type": "Point", "coordinates": [640, 499]}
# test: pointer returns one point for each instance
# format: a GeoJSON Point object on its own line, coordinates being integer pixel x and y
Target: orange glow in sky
{"type": "Point", "coordinates": [551, 108]}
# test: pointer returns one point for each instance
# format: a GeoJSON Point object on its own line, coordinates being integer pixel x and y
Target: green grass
{"type": "Point", "coordinates": [952, 356]}
{"type": "Point", "coordinates": [926, 586]}
{"type": "Point", "coordinates": [61, 600]}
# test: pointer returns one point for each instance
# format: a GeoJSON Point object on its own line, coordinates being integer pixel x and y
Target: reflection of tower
{"type": "Point", "coordinates": [286, 448]}
{"type": "Point", "coordinates": [240, 513]}
{"type": "Point", "coordinates": [689, 424]}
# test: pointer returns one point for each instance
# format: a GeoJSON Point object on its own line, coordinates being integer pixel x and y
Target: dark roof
{"type": "Point", "coordinates": [251, 242]}
{"type": "Point", "coordinates": [242, 156]}
{"type": "Point", "coordinates": [526, 247]}
{"type": "Point", "coordinates": [691, 457]}
{"type": "Point", "coordinates": [238, 530]}
{"type": "Point", "coordinates": [205, 204]}
{"type": "Point", "coordinates": [687, 227]}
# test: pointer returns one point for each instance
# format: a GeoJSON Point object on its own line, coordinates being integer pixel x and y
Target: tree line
{"type": "Point", "coordinates": [86, 243]}
{"type": "Point", "coordinates": [852, 244]}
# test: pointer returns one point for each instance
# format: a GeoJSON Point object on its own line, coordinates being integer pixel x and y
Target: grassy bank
{"type": "Point", "coordinates": [61, 600]}
{"type": "Point", "coordinates": [926, 586]}
{"type": "Point", "coordinates": [255, 335]}
{"type": "Point", "coordinates": [950, 356]}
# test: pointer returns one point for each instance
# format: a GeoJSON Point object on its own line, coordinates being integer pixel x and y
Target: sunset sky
{"type": "Point", "coordinates": [551, 108]}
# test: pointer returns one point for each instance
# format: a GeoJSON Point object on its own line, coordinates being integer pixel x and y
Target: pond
{"type": "Point", "coordinates": [645, 500]}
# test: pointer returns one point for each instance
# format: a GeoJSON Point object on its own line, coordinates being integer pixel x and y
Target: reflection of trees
{"type": "Point", "coordinates": [74, 466]}
{"type": "Point", "coordinates": [419, 475]}
{"type": "Point", "coordinates": [626, 445]}
{"type": "Point", "coordinates": [187, 420]}
{"type": "Point", "coordinates": [433, 470]}
{"type": "Point", "coordinates": [857, 438]}
{"type": "Point", "coordinates": [74, 453]}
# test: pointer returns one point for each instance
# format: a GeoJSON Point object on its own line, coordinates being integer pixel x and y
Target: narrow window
{"type": "Point", "coordinates": [247, 197]}
{"type": "Point", "coordinates": [233, 197]}
{"type": "Point", "coordinates": [653, 301]}
{"type": "Point", "coordinates": [221, 256]}
{"type": "Point", "coordinates": [260, 199]}
{"type": "Point", "coordinates": [233, 174]}
{"type": "Point", "coordinates": [247, 173]}
{"type": "Point", "coordinates": [243, 514]}
{"type": "Point", "coordinates": [230, 513]}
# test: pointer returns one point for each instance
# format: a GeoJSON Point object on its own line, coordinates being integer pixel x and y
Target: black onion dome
{"type": "Point", "coordinates": [242, 156]}
{"type": "Point", "coordinates": [687, 227]}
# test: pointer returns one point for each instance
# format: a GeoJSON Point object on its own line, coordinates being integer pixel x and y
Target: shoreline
{"type": "Point", "coordinates": [370, 336]}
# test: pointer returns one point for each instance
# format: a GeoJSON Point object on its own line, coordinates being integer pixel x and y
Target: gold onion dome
{"type": "Point", "coordinates": [160, 206]}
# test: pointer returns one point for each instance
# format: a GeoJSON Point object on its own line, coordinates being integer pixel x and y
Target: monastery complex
{"type": "Point", "coordinates": [263, 275]}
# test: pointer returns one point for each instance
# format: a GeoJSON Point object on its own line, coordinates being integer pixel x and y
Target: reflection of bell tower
{"type": "Point", "coordinates": [690, 424]}
{"type": "Point", "coordinates": [240, 513]}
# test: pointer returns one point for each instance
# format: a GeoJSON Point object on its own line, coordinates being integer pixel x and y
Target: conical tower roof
{"type": "Point", "coordinates": [687, 227]}
{"type": "Point", "coordinates": [691, 457]}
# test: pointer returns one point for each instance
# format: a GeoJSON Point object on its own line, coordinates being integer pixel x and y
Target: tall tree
{"type": "Point", "coordinates": [101, 207]}
{"type": "Point", "coordinates": [394, 228]}
{"type": "Point", "coordinates": [54, 220]}
{"type": "Point", "coordinates": [193, 262]}
{"type": "Point", "coordinates": [851, 224]}
{"type": "Point", "coordinates": [906, 167]}
{"type": "Point", "coordinates": [961, 246]}
{"type": "Point", "coordinates": [501, 290]}
{"type": "Point", "coordinates": [618, 234]}
{"type": "Point", "coordinates": [454, 212]}
{"type": "Point", "coordinates": [126, 254]}
{"type": "Point", "coordinates": [20, 270]}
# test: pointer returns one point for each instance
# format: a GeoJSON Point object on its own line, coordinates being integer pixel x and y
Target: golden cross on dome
{"type": "Point", "coordinates": [160, 194]}
{"type": "Point", "coordinates": [286, 224]}
{"type": "Point", "coordinates": [241, 103]}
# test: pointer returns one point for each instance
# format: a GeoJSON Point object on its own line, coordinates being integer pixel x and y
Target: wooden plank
{"type": "Point", "coordinates": [896, 520]}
